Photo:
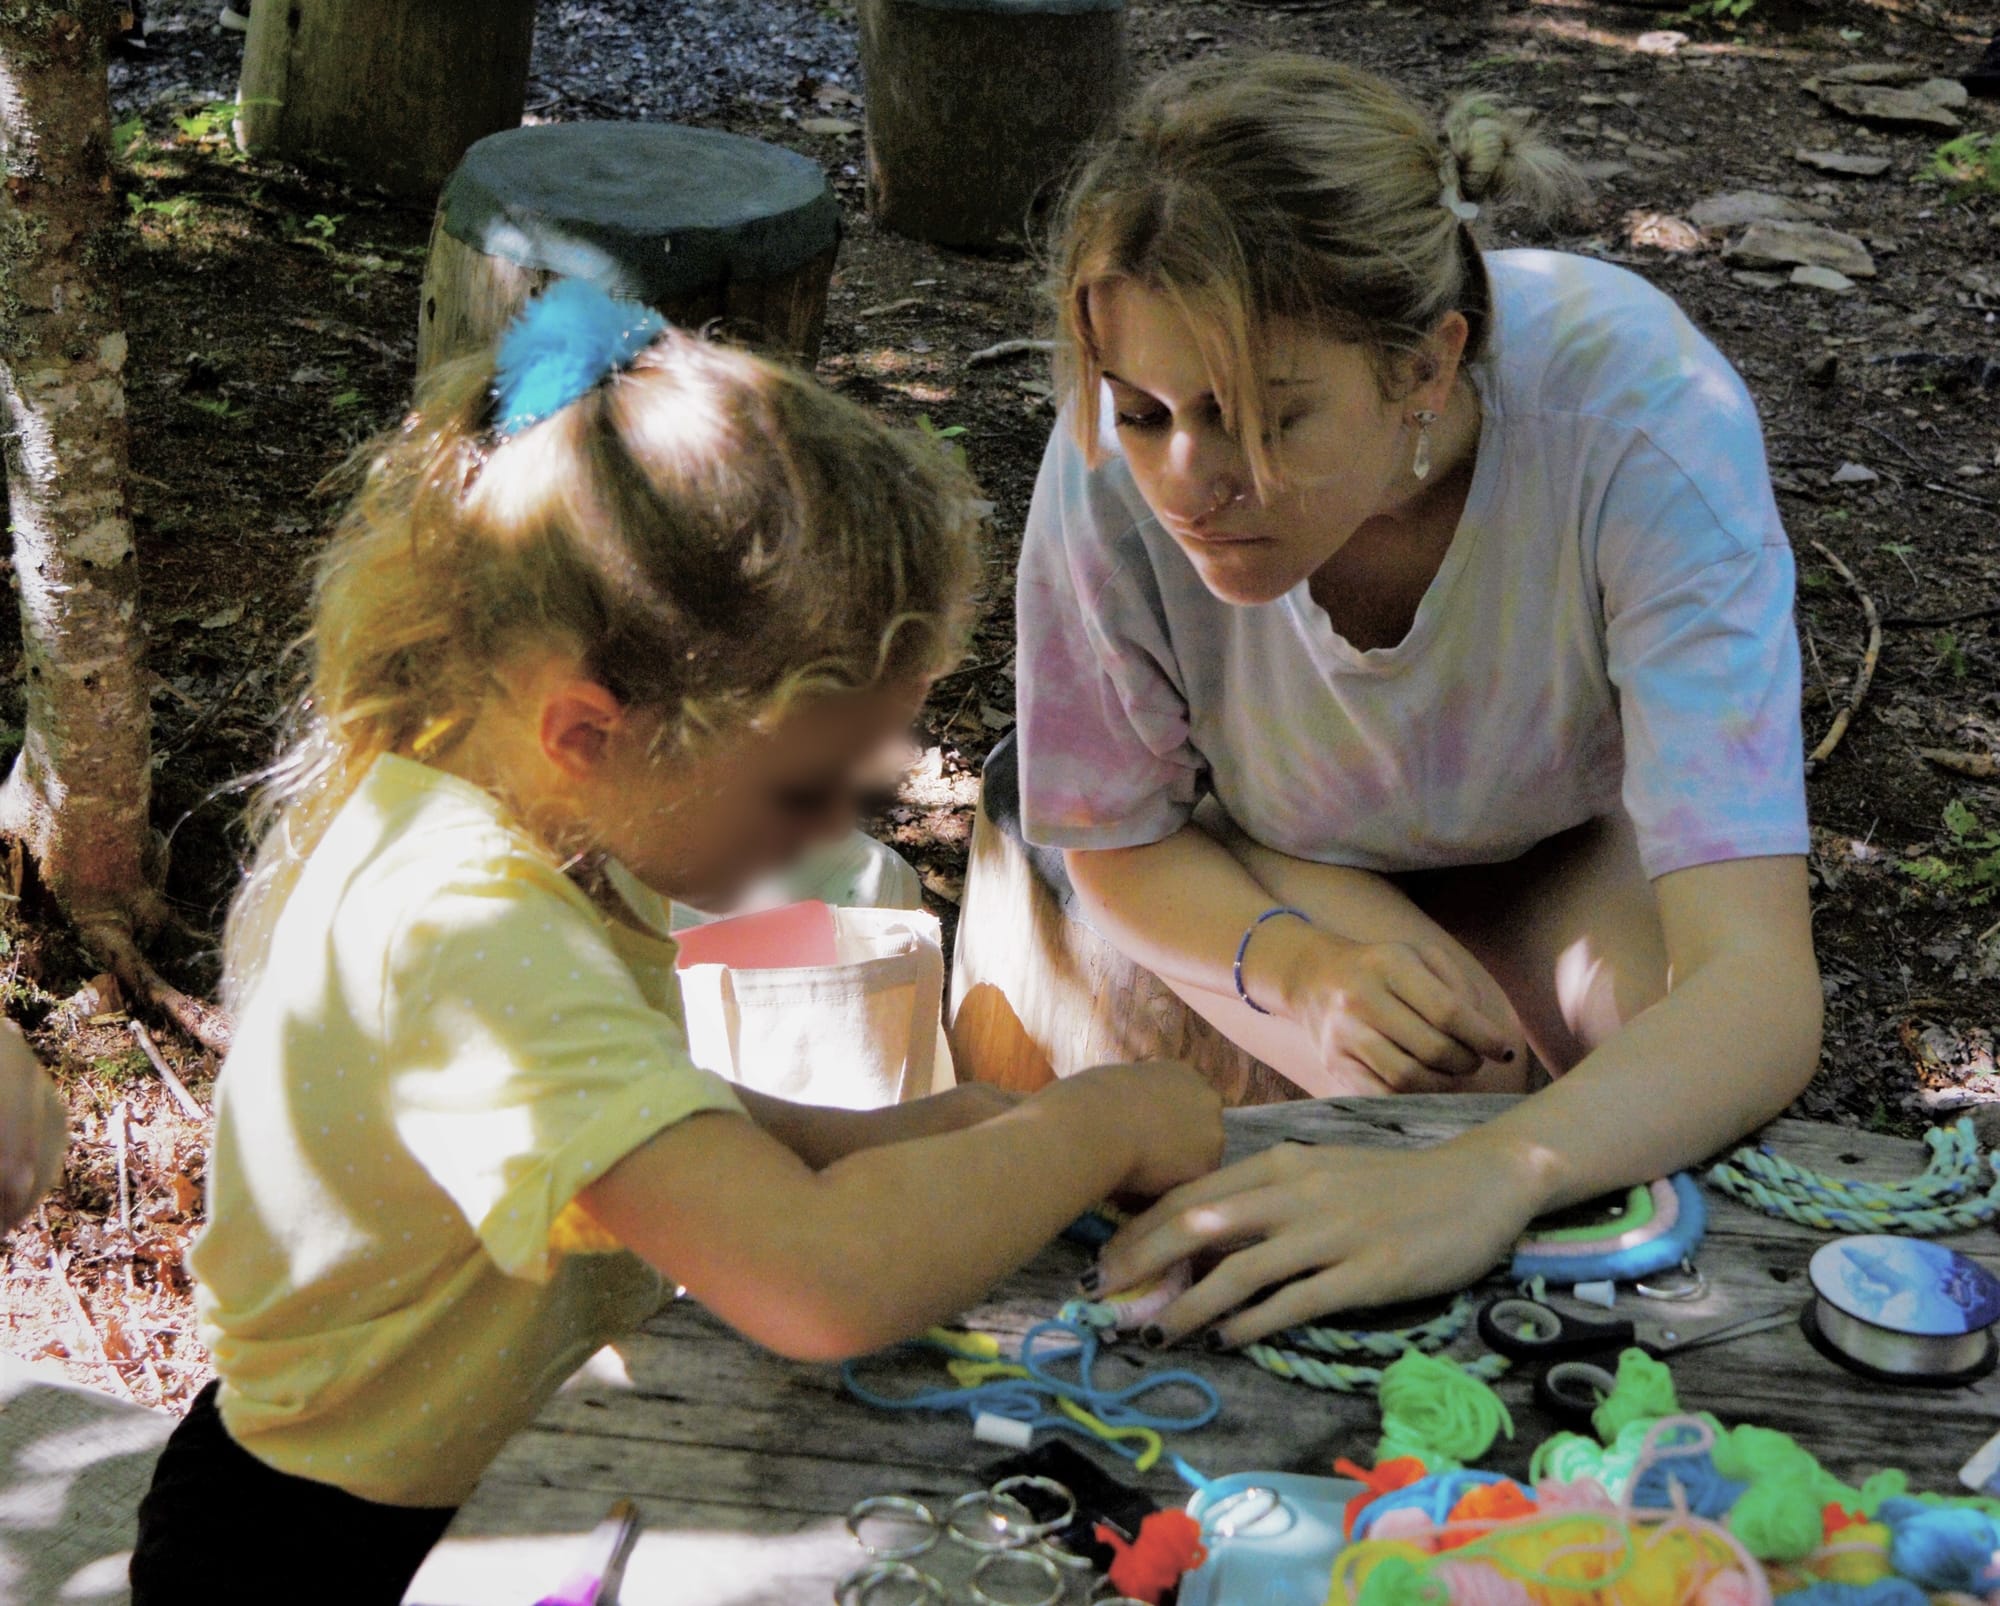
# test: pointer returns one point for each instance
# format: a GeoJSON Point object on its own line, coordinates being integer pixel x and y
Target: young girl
{"type": "Point", "coordinates": [1449, 587]}
{"type": "Point", "coordinates": [617, 628]}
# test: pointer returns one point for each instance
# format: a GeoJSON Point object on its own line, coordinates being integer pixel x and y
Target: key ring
{"type": "Point", "coordinates": [1044, 1569]}
{"type": "Point", "coordinates": [1227, 1518]}
{"type": "Point", "coordinates": [1004, 1490]}
{"type": "Point", "coordinates": [1011, 1527]}
{"type": "Point", "coordinates": [1689, 1284]}
{"type": "Point", "coordinates": [1064, 1557]}
{"type": "Point", "coordinates": [915, 1512]}
{"type": "Point", "coordinates": [858, 1586]}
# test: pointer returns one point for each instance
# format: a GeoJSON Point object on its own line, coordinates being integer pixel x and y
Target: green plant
{"type": "Point", "coordinates": [347, 398]}
{"type": "Point", "coordinates": [215, 406]}
{"type": "Point", "coordinates": [170, 211]}
{"type": "Point", "coordinates": [127, 134]}
{"type": "Point", "coordinates": [209, 121]}
{"type": "Point", "coordinates": [1727, 13]}
{"type": "Point", "coordinates": [1969, 868]}
{"type": "Point", "coordinates": [322, 225]}
{"type": "Point", "coordinates": [1949, 653]}
{"type": "Point", "coordinates": [946, 439]}
{"type": "Point", "coordinates": [1969, 164]}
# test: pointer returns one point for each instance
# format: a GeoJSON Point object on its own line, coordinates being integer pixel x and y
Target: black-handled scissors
{"type": "Point", "coordinates": [1571, 1380]}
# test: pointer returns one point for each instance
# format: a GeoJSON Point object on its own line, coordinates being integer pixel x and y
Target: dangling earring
{"type": "Point", "coordinates": [1420, 464]}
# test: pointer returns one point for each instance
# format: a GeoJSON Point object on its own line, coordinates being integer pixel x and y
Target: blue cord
{"type": "Point", "coordinates": [1243, 949]}
{"type": "Point", "coordinates": [1030, 1399]}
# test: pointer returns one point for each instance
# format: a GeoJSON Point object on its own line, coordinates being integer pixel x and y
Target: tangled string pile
{"type": "Point", "coordinates": [1958, 1189]}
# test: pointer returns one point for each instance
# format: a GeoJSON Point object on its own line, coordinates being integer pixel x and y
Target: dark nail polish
{"type": "Point", "coordinates": [1215, 1343]}
{"type": "Point", "coordinates": [1508, 1057]}
{"type": "Point", "coordinates": [1091, 1281]}
{"type": "Point", "coordinates": [1153, 1337]}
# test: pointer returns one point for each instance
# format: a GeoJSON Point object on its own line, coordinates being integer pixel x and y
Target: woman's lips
{"type": "Point", "coordinates": [1209, 535]}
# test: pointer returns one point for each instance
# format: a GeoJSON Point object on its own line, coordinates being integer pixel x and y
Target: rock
{"type": "Point", "coordinates": [1888, 108]}
{"type": "Point", "coordinates": [1659, 42]}
{"type": "Point", "coordinates": [1855, 474]}
{"type": "Point", "coordinates": [1737, 207]}
{"type": "Point", "coordinates": [1758, 281]}
{"type": "Point", "coordinates": [1784, 245]}
{"type": "Point", "coordinates": [1662, 231]}
{"type": "Point", "coordinates": [1947, 92]}
{"type": "Point", "coordinates": [1818, 278]}
{"type": "Point", "coordinates": [1846, 163]}
{"type": "Point", "coordinates": [1823, 369]}
{"type": "Point", "coordinates": [1603, 171]}
{"type": "Point", "coordinates": [1877, 72]}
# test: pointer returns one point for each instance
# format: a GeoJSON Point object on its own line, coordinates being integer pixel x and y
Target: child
{"type": "Point", "coordinates": [616, 627]}
{"type": "Point", "coordinates": [34, 1128]}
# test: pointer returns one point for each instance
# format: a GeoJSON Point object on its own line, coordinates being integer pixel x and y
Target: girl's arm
{"type": "Point", "coordinates": [34, 1128]}
{"type": "Point", "coordinates": [1378, 983]}
{"type": "Point", "coordinates": [819, 1136]}
{"type": "Point", "coordinates": [1734, 1041]}
{"type": "Point", "coordinates": [821, 1265]}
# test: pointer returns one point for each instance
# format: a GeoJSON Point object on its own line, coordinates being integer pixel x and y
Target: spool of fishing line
{"type": "Point", "coordinates": [1903, 1310]}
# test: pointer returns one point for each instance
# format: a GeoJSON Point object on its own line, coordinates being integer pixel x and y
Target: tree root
{"type": "Point", "coordinates": [113, 944]}
{"type": "Point", "coordinates": [1979, 766]}
{"type": "Point", "coordinates": [1870, 656]}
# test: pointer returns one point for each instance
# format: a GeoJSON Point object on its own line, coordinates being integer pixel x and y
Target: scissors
{"type": "Point", "coordinates": [1570, 1352]}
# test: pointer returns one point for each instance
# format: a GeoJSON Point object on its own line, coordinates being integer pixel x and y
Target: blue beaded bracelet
{"type": "Point", "coordinates": [1243, 948]}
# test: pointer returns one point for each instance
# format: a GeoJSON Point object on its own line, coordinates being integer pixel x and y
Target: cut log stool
{"type": "Point", "coordinates": [701, 225]}
{"type": "Point", "coordinates": [976, 108]}
{"type": "Point", "coordinates": [1037, 994]}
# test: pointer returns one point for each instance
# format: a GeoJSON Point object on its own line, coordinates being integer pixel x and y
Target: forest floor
{"type": "Point", "coordinates": [273, 322]}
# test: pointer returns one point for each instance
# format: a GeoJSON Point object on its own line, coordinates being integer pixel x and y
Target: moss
{"type": "Point", "coordinates": [29, 28]}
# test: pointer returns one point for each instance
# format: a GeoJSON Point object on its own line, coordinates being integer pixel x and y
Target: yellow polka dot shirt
{"type": "Point", "coordinates": [446, 1043]}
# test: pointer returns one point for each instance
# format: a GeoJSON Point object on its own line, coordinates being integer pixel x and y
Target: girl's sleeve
{"type": "Point", "coordinates": [527, 1062]}
{"type": "Point", "coordinates": [1701, 645]}
{"type": "Point", "coordinates": [1106, 760]}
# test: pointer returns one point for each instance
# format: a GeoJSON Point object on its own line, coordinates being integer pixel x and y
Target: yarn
{"type": "Point", "coordinates": [1859, 1554]}
{"type": "Point", "coordinates": [1643, 1392]}
{"type": "Point", "coordinates": [1478, 1583]}
{"type": "Point", "coordinates": [1958, 1189]}
{"type": "Point", "coordinates": [1700, 1487]}
{"type": "Point", "coordinates": [562, 345]}
{"type": "Point", "coordinates": [1435, 1495]}
{"type": "Point", "coordinates": [1387, 1476]}
{"type": "Point", "coordinates": [1337, 1358]}
{"type": "Point", "coordinates": [1131, 1310]}
{"type": "Point", "coordinates": [1942, 1547]}
{"type": "Point", "coordinates": [1730, 1588]}
{"type": "Point", "coordinates": [1168, 1546]}
{"type": "Point", "coordinates": [1888, 1592]}
{"type": "Point", "coordinates": [1433, 1410]}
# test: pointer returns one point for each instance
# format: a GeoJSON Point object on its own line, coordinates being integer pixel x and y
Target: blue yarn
{"type": "Point", "coordinates": [1707, 1492]}
{"type": "Point", "coordinates": [1031, 1399]}
{"type": "Point", "coordinates": [1883, 1592]}
{"type": "Point", "coordinates": [561, 346]}
{"type": "Point", "coordinates": [1434, 1496]}
{"type": "Point", "coordinates": [1942, 1547]}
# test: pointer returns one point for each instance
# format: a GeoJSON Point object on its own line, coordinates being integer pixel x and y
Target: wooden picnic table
{"type": "Point", "coordinates": [744, 1465]}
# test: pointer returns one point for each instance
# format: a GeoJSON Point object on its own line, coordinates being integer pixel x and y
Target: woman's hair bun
{"type": "Point", "coordinates": [1500, 159]}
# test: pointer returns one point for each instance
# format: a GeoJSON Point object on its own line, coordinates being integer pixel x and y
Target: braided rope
{"type": "Point", "coordinates": [1958, 1189]}
{"type": "Point", "coordinates": [1340, 1377]}
{"type": "Point", "coordinates": [1428, 1337]}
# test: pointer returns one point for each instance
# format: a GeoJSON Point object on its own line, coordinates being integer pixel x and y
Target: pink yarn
{"type": "Point", "coordinates": [1406, 1523]}
{"type": "Point", "coordinates": [1475, 1583]}
{"type": "Point", "coordinates": [1585, 1494]}
{"type": "Point", "coordinates": [1730, 1588]}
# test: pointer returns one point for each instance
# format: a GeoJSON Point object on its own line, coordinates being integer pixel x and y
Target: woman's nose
{"type": "Point", "coordinates": [1202, 469]}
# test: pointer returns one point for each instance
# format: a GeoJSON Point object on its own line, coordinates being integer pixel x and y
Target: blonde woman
{"type": "Point", "coordinates": [1408, 674]}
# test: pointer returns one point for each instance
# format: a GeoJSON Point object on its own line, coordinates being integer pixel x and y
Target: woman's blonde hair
{"type": "Point", "coordinates": [1282, 189]}
{"type": "Point", "coordinates": [712, 534]}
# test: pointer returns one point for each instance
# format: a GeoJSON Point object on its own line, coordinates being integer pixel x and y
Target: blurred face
{"type": "Point", "coordinates": [703, 825]}
{"type": "Point", "coordinates": [1342, 448]}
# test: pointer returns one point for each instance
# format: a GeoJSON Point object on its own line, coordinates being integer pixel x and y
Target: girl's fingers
{"type": "Point", "coordinates": [1471, 1014]}
{"type": "Point", "coordinates": [1141, 1252]}
{"type": "Point", "coordinates": [1403, 1022]}
{"type": "Point", "coordinates": [1245, 1176]}
{"type": "Point", "coordinates": [1341, 1285]}
{"type": "Point", "coordinates": [1397, 1069]}
{"type": "Point", "coordinates": [1240, 1278]}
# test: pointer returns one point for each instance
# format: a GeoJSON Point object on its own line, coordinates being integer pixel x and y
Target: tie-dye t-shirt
{"type": "Point", "coordinates": [1612, 623]}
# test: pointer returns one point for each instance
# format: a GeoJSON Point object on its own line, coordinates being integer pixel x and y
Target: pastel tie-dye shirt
{"type": "Point", "coordinates": [1612, 624]}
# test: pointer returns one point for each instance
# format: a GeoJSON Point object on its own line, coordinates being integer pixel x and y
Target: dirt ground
{"type": "Point", "coordinates": [273, 319]}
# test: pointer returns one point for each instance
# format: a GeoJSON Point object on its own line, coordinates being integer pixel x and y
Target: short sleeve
{"type": "Point", "coordinates": [1703, 650]}
{"type": "Point", "coordinates": [526, 1062]}
{"type": "Point", "coordinates": [1106, 759]}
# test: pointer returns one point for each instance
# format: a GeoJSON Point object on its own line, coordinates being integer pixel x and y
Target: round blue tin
{"type": "Point", "coordinates": [1905, 1307]}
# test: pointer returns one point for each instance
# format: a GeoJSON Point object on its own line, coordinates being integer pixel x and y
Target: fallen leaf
{"type": "Point", "coordinates": [223, 618]}
{"type": "Point", "coordinates": [828, 125]}
{"type": "Point", "coordinates": [1854, 474]}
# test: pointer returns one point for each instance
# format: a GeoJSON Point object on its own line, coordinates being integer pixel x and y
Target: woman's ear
{"type": "Point", "coordinates": [1434, 369]}
{"type": "Point", "coordinates": [578, 721]}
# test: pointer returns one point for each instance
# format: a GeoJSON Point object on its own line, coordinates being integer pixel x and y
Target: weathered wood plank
{"type": "Point", "coordinates": [744, 1464]}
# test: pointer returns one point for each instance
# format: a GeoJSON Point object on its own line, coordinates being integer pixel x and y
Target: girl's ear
{"type": "Point", "coordinates": [579, 718]}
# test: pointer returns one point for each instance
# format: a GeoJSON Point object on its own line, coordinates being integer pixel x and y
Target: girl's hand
{"type": "Point", "coordinates": [33, 1128]}
{"type": "Point", "coordinates": [1171, 1114]}
{"type": "Point", "coordinates": [1339, 1228]}
{"type": "Point", "coordinates": [1408, 1014]}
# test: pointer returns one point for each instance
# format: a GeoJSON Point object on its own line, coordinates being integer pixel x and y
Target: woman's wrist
{"type": "Point", "coordinates": [1280, 965]}
{"type": "Point", "coordinates": [1525, 1172]}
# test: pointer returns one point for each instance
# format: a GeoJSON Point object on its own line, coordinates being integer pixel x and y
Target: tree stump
{"type": "Point", "coordinates": [392, 93]}
{"type": "Point", "coordinates": [1037, 994]}
{"type": "Point", "coordinates": [701, 225]}
{"type": "Point", "coordinates": [977, 108]}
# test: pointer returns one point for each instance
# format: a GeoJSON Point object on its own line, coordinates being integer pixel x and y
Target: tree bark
{"type": "Point", "coordinates": [79, 792]}
{"type": "Point", "coordinates": [392, 92]}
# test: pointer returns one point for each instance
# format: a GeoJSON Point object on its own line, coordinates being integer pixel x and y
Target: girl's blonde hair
{"type": "Point", "coordinates": [1282, 189]}
{"type": "Point", "coordinates": [712, 534]}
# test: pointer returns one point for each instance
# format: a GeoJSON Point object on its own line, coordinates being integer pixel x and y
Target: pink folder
{"type": "Point", "coordinates": [772, 939]}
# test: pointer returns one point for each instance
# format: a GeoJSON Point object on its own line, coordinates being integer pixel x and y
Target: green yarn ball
{"type": "Point", "coordinates": [1433, 1410]}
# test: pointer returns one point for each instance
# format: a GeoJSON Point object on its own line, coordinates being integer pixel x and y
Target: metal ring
{"type": "Point", "coordinates": [1225, 1521]}
{"type": "Point", "coordinates": [1035, 1561]}
{"type": "Point", "coordinates": [1011, 1535]}
{"type": "Point", "coordinates": [1004, 1490]}
{"type": "Point", "coordinates": [1675, 1293]}
{"type": "Point", "coordinates": [1064, 1557]}
{"type": "Point", "coordinates": [856, 1588]}
{"type": "Point", "coordinates": [901, 1505]}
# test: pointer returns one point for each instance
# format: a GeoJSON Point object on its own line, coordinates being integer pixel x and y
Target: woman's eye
{"type": "Point", "coordinates": [1156, 419]}
{"type": "Point", "coordinates": [1286, 425]}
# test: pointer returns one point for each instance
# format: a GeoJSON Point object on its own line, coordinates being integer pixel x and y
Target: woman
{"type": "Point", "coordinates": [1408, 673]}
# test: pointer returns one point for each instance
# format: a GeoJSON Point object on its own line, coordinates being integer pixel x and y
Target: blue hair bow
{"type": "Point", "coordinates": [562, 345]}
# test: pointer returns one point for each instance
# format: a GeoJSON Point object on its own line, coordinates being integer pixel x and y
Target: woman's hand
{"type": "Point", "coordinates": [1410, 1015]}
{"type": "Point", "coordinates": [1339, 1228]}
{"type": "Point", "coordinates": [33, 1128]}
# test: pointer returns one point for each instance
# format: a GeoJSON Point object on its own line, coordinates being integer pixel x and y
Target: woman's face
{"type": "Point", "coordinates": [1341, 447]}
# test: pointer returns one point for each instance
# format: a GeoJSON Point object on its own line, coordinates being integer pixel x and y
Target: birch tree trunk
{"type": "Point", "coordinates": [78, 796]}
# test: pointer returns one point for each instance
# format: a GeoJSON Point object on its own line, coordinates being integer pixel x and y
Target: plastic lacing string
{"type": "Point", "coordinates": [1957, 1190]}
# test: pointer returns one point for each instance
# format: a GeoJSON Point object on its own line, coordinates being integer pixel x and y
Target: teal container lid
{"type": "Point", "coordinates": [648, 210]}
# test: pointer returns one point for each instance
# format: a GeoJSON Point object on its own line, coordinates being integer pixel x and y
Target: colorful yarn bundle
{"type": "Point", "coordinates": [1668, 1509]}
{"type": "Point", "coordinates": [1958, 1189]}
{"type": "Point", "coordinates": [1437, 1413]}
{"type": "Point", "coordinates": [1337, 1358]}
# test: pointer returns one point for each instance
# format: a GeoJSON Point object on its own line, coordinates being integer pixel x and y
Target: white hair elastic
{"type": "Point", "coordinates": [1449, 198]}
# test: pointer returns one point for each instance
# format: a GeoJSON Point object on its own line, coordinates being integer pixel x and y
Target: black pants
{"type": "Point", "coordinates": [219, 1527]}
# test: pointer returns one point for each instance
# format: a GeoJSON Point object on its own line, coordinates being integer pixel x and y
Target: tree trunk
{"type": "Point", "coordinates": [391, 91]}
{"type": "Point", "coordinates": [80, 789]}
